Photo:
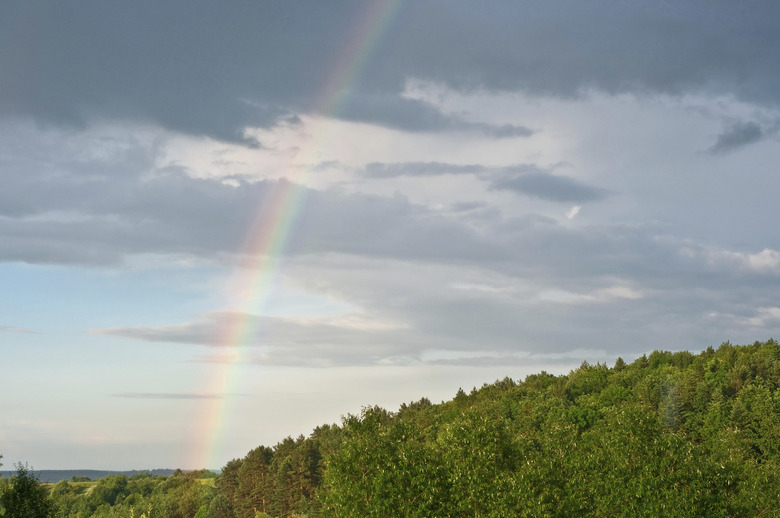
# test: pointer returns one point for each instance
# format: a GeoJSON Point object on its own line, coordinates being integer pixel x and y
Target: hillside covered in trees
{"type": "Point", "coordinates": [670, 434]}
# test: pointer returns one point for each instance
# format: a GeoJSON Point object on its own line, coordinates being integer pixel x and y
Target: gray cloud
{"type": "Point", "coordinates": [468, 206]}
{"type": "Point", "coordinates": [548, 187]}
{"type": "Point", "coordinates": [206, 218]}
{"type": "Point", "coordinates": [558, 286]}
{"type": "Point", "coordinates": [302, 342]}
{"type": "Point", "coordinates": [528, 179]}
{"type": "Point", "coordinates": [63, 210]}
{"type": "Point", "coordinates": [284, 341]}
{"type": "Point", "coordinates": [737, 136]}
{"type": "Point", "coordinates": [391, 257]}
{"type": "Point", "coordinates": [384, 170]}
{"type": "Point", "coordinates": [505, 130]}
{"type": "Point", "coordinates": [213, 71]}
{"type": "Point", "coordinates": [414, 115]}
{"type": "Point", "coordinates": [558, 47]}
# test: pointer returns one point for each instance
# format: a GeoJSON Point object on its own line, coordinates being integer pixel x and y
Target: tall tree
{"type": "Point", "coordinates": [26, 497]}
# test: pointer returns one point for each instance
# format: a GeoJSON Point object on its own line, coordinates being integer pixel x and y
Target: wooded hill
{"type": "Point", "coordinates": [671, 434]}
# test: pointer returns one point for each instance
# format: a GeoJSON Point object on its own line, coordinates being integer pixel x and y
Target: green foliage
{"type": "Point", "coordinates": [219, 507]}
{"type": "Point", "coordinates": [384, 467]}
{"type": "Point", "coordinates": [670, 434]}
{"type": "Point", "coordinates": [25, 497]}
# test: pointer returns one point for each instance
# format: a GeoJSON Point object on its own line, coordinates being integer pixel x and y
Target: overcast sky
{"type": "Point", "coordinates": [222, 223]}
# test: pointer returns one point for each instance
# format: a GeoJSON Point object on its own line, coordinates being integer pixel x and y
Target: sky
{"type": "Point", "coordinates": [226, 223]}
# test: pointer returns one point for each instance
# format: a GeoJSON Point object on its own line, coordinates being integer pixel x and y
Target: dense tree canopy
{"type": "Point", "coordinates": [24, 497]}
{"type": "Point", "coordinates": [670, 434]}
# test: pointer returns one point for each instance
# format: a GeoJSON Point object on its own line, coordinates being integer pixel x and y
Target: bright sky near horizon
{"type": "Point", "coordinates": [222, 223]}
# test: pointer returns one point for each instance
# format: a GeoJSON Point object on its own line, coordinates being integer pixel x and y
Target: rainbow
{"type": "Point", "coordinates": [269, 237]}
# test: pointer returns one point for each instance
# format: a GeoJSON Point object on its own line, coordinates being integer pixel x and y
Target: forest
{"type": "Point", "coordinates": [670, 434]}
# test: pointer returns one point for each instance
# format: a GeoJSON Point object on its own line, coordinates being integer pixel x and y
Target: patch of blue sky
{"type": "Point", "coordinates": [67, 300]}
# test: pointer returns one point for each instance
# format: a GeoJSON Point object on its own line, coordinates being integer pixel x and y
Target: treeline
{"type": "Point", "coordinates": [55, 475]}
{"type": "Point", "coordinates": [144, 495]}
{"type": "Point", "coordinates": [670, 434]}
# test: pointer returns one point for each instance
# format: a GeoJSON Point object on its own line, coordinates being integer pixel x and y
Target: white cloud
{"type": "Point", "coordinates": [603, 295]}
{"type": "Point", "coordinates": [767, 261]}
{"type": "Point", "coordinates": [765, 317]}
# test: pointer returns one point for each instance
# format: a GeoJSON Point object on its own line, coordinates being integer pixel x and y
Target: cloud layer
{"type": "Point", "coordinates": [207, 70]}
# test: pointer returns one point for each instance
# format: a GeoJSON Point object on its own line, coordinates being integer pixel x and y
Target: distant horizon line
{"type": "Point", "coordinates": [49, 475]}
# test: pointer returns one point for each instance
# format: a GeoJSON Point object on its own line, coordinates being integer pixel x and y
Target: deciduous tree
{"type": "Point", "coordinates": [25, 497]}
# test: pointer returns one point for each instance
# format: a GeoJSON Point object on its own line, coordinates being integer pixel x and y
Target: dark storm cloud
{"type": "Point", "coordinates": [737, 136]}
{"type": "Point", "coordinates": [564, 47]}
{"type": "Point", "coordinates": [209, 68]}
{"type": "Point", "coordinates": [203, 69]}
{"type": "Point", "coordinates": [548, 186]}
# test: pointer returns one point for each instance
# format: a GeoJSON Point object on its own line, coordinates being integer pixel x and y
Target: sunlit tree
{"type": "Point", "coordinates": [25, 497]}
